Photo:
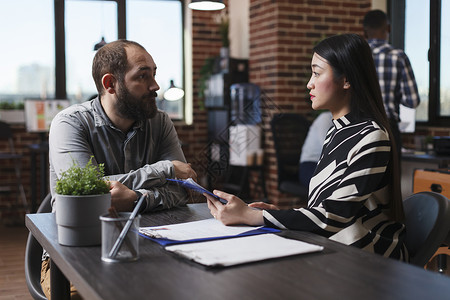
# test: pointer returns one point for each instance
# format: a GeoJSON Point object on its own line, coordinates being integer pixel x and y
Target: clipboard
{"type": "Point", "coordinates": [199, 231]}
{"type": "Point", "coordinates": [192, 185]}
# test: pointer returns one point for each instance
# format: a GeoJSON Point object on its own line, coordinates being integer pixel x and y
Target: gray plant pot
{"type": "Point", "coordinates": [78, 220]}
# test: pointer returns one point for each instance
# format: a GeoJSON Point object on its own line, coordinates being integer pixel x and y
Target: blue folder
{"type": "Point", "coordinates": [166, 242]}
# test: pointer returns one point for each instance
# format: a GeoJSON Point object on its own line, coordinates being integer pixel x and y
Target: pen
{"type": "Point", "coordinates": [113, 213]}
{"type": "Point", "coordinates": [126, 228]}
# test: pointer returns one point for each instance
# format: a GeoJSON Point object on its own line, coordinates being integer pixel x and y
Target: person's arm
{"type": "Point", "coordinates": [408, 85]}
{"type": "Point", "coordinates": [171, 162]}
{"type": "Point", "coordinates": [348, 192]}
{"type": "Point", "coordinates": [124, 199]}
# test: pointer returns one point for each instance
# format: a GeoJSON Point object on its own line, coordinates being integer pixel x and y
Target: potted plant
{"type": "Point", "coordinates": [11, 112]}
{"type": "Point", "coordinates": [82, 195]}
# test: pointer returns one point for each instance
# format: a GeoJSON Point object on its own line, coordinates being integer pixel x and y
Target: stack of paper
{"type": "Point", "coordinates": [211, 243]}
{"type": "Point", "coordinates": [242, 250]}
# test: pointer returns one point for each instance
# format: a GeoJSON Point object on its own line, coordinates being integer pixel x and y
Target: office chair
{"type": "Point", "coordinates": [289, 133]}
{"type": "Point", "coordinates": [12, 156]}
{"type": "Point", "coordinates": [427, 220]}
{"type": "Point", "coordinates": [33, 257]}
{"type": "Point", "coordinates": [435, 181]}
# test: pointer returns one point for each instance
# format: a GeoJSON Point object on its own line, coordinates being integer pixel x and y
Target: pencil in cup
{"type": "Point", "coordinates": [113, 213]}
{"type": "Point", "coordinates": [113, 226]}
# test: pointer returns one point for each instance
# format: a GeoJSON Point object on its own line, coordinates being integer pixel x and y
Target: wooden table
{"type": "Point", "coordinates": [338, 272]}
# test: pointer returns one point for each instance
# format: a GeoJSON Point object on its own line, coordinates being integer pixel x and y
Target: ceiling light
{"type": "Point", "coordinates": [206, 5]}
{"type": "Point", "coordinates": [100, 44]}
{"type": "Point", "coordinates": [173, 93]}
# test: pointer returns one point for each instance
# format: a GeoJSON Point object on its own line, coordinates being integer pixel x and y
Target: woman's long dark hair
{"type": "Point", "coordinates": [349, 55]}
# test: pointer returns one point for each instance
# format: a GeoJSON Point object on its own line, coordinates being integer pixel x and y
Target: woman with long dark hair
{"type": "Point", "coordinates": [354, 194]}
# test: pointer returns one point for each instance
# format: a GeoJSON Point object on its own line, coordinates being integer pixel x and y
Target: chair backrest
{"type": "Point", "coordinates": [289, 133]}
{"type": "Point", "coordinates": [427, 220]}
{"type": "Point", "coordinates": [6, 135]}
{"type": "Point", "coordinates": [5, 131]}
{"type": "Point", "coordinates": [33, 257]}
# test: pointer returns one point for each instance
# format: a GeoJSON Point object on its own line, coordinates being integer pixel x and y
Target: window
{"type": "Point", "coordinates": [445, 60]}
{"type": "Point", "coordinates": [86, 23]}
{"type": "Point", "coordinates": [157, 25]}
{"type": "Point", "coordinates": [28, 57]}
{"type": "Point", "coordinates": [28, 62]}
{"type": "Point", "coordinates": [427, 43]}
{"type": "Point", "coordinates": [417, 24]}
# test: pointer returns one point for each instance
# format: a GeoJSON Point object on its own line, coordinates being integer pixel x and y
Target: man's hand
{"type": "Point", "coordinates": [122, 198]}
{"type": "Point", "coordinates": [183, 170]}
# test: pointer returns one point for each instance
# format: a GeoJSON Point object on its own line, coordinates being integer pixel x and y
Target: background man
{"type": "Point", "coordinates": [395, 74]}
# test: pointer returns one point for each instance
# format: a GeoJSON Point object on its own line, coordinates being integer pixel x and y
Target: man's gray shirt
{"type": "Point", "coordinates": [140, 159]}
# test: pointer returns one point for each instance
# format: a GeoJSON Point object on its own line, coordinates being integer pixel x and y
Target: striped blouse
{"type": "Point", "coordinates": [348, 191]}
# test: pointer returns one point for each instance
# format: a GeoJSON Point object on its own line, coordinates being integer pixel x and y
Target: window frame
{"type": "Point", "coordinates": [397, 11]}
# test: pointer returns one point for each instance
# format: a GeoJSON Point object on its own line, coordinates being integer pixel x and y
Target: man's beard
{"type": "Point", "coordinates": [134, 108]}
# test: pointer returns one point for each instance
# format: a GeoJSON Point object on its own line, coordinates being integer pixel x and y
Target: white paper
{"type": "Point", "coordinates": [240, 250]}
{"type": "Point", "coordinates": [208, 228]}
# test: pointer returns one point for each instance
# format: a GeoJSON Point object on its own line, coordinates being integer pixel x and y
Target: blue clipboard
{"type": "Point", "coordinates": [192, 185]}
{"type": "Point", "coordinates": [166, 242]}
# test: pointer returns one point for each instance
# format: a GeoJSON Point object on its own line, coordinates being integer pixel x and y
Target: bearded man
{"type": "Point", "coordinates": [123, 129]}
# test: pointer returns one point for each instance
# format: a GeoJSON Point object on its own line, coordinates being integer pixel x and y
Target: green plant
{"type": "Point", "coordinates": [87, 180]}
{"type": "Point", "coordinates": [6, 105]}
{"type": "Point", "coordinates": [223, 30]}
{"type": "Point", "coordinates": [205, 73]}
{"type": "Point", "coordinates": [223, 21]}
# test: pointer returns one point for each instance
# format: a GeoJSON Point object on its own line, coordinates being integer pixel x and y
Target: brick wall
{"type": "Point", "coordinates": [282, 34]}
{"type": "Point", "coordinates": [11, 209]}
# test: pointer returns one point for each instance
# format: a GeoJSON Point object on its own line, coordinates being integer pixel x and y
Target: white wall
{"type": "Point", "coordinates": [379, 4]}
{"type": "Point", "coordinates": [238, 11]}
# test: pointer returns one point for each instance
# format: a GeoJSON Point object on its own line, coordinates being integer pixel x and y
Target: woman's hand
{"type": "Point", "coordinates": [234, 212]}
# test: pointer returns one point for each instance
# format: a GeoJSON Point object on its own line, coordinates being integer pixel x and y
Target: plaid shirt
{"type": "Point", "coordinates": [397, 82]}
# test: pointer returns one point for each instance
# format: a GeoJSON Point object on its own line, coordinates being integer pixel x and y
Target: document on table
{"type": "Point", "coordinates": [198, 231]}
{"type": "Point", "coordinates": [240, 250]}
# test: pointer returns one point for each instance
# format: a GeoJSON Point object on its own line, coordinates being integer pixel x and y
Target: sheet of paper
{"type": "Point", "coordinates": [240, 250]}
{"type": "Point", "coordinates": [208, 228]}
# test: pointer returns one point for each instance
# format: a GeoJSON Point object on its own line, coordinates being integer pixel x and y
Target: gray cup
{"type": "Point", "coordinates": [111, 229]}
